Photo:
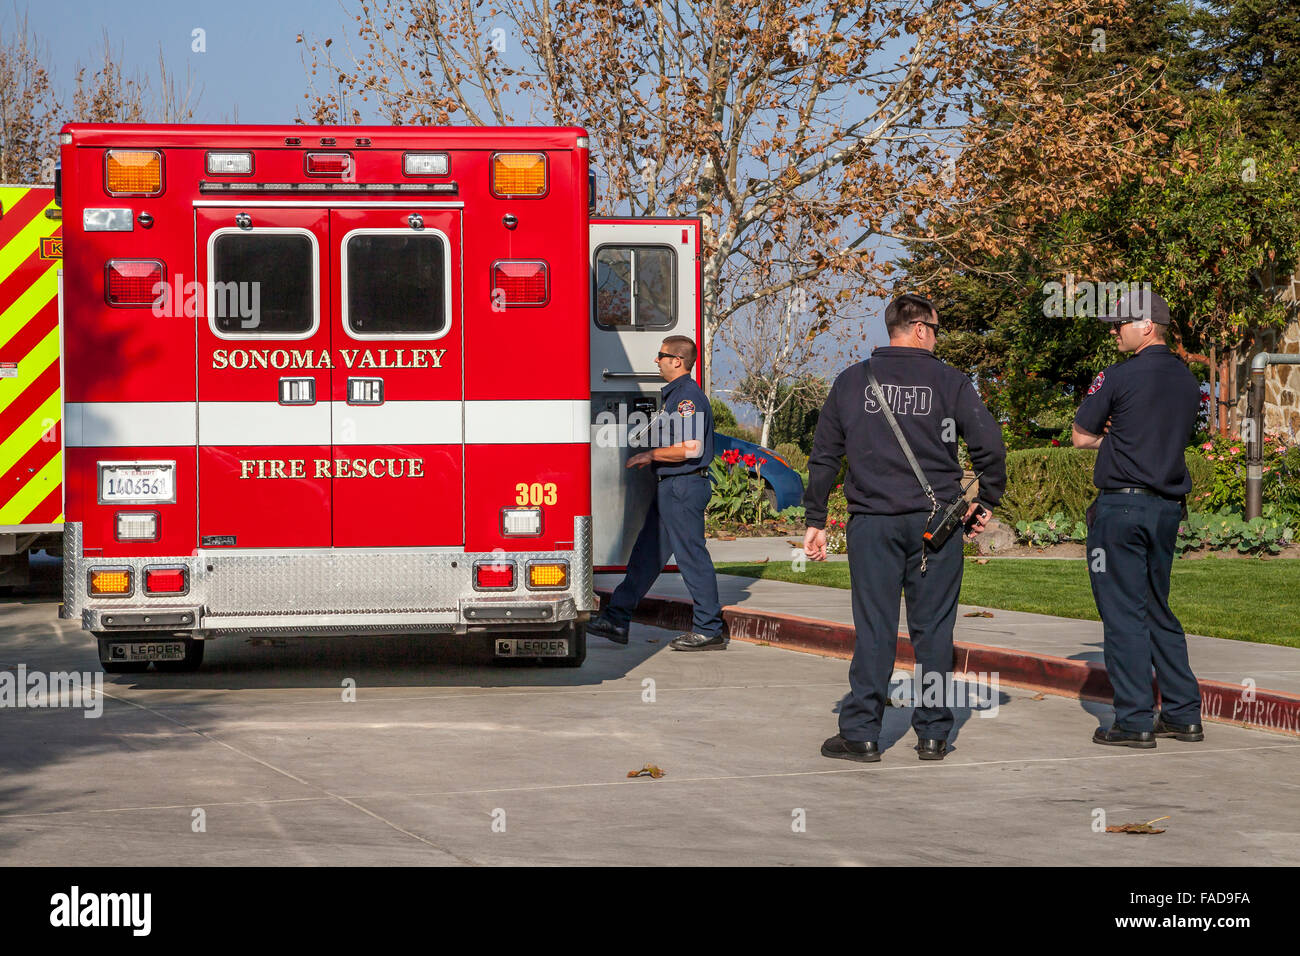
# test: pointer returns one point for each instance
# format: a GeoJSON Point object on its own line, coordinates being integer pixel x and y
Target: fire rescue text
{"type": "Point", "coordinates": [332, 468]}
{"type": "Point", "coordinates": [321, 358]}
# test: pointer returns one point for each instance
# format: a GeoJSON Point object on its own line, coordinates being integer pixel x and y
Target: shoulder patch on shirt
{"type": "Point", "coordinates": [685, 407]}
{"type": "Point", "coordinates": [1097, 382]}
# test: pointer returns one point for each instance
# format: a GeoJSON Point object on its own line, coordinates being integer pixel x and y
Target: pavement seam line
{"type": "Point", "coordinates": [473, 695]}
{"type": "Point", "coordinates": [295, 778]}
{"type": "Point", "coordinates": [172, 806]}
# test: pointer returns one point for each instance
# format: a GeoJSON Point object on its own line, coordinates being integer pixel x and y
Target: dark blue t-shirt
{"type": "Point", "coordinates": [686, 416]}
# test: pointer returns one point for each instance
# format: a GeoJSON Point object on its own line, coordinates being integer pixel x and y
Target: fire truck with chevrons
{"type": "Point", "coordinates": [352, 380]}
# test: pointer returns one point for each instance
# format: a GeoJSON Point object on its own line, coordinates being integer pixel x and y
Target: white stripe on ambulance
{"type": "Point", "coordinates": [178, 424]}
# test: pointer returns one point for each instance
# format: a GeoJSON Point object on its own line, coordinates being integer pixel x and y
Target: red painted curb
{"type": "Point", "coordinates": [1260, 709]}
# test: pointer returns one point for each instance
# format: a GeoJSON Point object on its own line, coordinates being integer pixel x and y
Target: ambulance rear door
{"type": "Point", "coordinates": [397, 382]}
{"type": "Point", "coordinates": [645, 287]}
{"type": "Point", "coordinates": [263, 375]}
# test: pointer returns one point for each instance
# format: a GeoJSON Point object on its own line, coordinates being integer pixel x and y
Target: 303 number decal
{"type": "Point", "coordinates": [535, 494]}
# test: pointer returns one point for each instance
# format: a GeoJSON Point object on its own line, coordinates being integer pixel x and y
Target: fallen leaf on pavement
{"type": "Point", "coordinates": [1138, 827]}
{"type": "Point", "coordinates": [762, 560]}
{"type": "Point", "coordinates": [794, 544]}
{"type": "Point", "coordinates": [726, 537]}
{"type": "Point", "coordinates": [1038, 697]}
{"type": "Point", "coordinates": [978, 614]}
{"type": "Point", "coordinates": [649, 770]}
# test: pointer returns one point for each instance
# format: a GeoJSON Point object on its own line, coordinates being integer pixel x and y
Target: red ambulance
{"type": "Point", "coordinates": [351, 380]}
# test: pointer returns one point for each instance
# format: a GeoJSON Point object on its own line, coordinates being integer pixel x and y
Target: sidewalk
{"type": "Point", "coordinates": [1055, 654]}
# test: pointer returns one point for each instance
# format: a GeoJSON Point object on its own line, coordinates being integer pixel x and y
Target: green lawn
{"type": "Point", "coordinates": [1239, 598]}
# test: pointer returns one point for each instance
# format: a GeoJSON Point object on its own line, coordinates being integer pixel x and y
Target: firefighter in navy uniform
{"type": "Point", "coordinates": [674, 524]}
{"type": "Point", "coordinates": [1140, 415]}
{"type": "Point", "coordinates": [889, 510]}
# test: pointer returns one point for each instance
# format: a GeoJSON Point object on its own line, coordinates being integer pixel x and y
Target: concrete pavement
{"type": "Point", "coordinates": [443, 759]}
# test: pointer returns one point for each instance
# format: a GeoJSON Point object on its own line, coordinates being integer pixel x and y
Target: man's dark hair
{"type": "Point", "coordinates": [684, 349]}
{"type": "Point", "coordinates": [905, 310]}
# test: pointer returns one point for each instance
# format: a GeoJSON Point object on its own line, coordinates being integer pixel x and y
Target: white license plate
{"type": "Point", "coordinates": [532, 647]}
{"type": "Point", "coordinates": [139, 484]}
{"type": "Point", "coordinates": [153, 651]}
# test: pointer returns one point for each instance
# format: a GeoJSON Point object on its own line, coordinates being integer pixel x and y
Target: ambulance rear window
{"type": "Point", "coordinates": [396, 284]}
{"type": "Point", "coordinates": [263, 284]}
{"type": "Point", "coordinates": [636, 287]}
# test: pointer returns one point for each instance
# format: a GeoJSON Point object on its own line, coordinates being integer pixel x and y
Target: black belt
{"type": "Point", "coordinates": [1141, 491]}
{"type": "Point", "coordinates": [684, 474]}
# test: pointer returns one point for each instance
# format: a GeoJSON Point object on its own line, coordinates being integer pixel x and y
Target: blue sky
{"type": "Point", "coordinates": [251, 61]}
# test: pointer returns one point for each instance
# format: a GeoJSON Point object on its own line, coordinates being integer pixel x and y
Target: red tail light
{"type": "Point", "coordinates": [328, 164]}
{"type": "Point", "coordinates": [165, 581]}
{"type": "Point", "coordinates": [132, 282]}
{"type": "Point", "coordinates": [520, 282]}
{"type": "Point", "coordinates": [490, 575]}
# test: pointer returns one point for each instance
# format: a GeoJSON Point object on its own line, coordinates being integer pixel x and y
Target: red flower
{"type": "Point", "coordinates": [731, 456]}
{"type": "Point", "coordinates": [762, 461]}
{"type": "Point", "coordinates": [1055, 442]}
{"type": "Point", "coordinates": [749, 460]}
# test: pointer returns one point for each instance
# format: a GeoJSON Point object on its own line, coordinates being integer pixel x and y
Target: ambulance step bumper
{"type": "Point", "coordinates": [335, 622]}
{"type": "Point", "coordinates": [168, 619]}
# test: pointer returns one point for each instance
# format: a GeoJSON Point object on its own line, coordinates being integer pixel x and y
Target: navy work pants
{"type": "Point", "coordinates": [673, 526]}
{"type": "Point", "coordinates": [1130, 555]}
{"type": "Point", "coordinates": [884, 564]}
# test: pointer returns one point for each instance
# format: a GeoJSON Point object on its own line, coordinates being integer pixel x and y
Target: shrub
{"type": "Point", "coordinates": [1048, 481]}
{"type": "Point", "coordinates": [1223, 460]}
{"type": "Point", "coordinates": [738, 495]}
{"type": "Point", "coordinates": [793, 455]}
{"type": "Point", "coordinates": [837, 521]}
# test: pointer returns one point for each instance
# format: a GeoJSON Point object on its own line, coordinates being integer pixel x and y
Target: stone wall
{"type": "Point", "coordinates": [1281, 382]}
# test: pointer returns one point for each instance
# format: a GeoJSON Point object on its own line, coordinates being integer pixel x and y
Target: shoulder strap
{"type": "Point", "coordinates": [898, 433]}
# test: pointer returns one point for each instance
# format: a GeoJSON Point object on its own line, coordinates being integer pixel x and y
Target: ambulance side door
{"type": "Point", "coordinates": [645, 277]}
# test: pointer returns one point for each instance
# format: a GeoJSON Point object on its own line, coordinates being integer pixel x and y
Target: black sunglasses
{"type": "Point", "coordinates": [664, 355]}
{"type": "Point", "coordinates": [932, 326]}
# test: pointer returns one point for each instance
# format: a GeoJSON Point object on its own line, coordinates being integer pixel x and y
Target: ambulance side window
{"type": "Point", "coordinates": [396, 284]}
{"type": "Point", "coordinates": [636, 287]}
{"type": "Point", "coordinates": [263, 284]}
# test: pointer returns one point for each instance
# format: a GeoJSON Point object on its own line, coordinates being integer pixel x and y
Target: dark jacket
{"type": "Point", "coordinates": [934, 404]}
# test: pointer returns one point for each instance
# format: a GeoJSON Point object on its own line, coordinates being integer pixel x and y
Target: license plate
{"type": "Point", "coordinates": [154, 651]}
{"type": "Point", "coordinates": [136, 483]}
{"type": "Point", "coordinates": [532, 647]}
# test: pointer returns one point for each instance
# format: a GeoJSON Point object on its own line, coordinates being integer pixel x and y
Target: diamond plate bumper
{"type": "Point", "coordinates": [328, 591]}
